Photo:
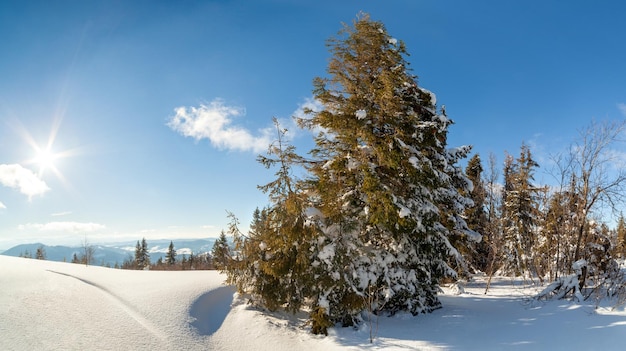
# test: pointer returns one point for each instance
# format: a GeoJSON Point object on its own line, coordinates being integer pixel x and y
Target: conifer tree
{"type": "Point", "coordinates": [138, 255]}
{"type": "Point", "coordinates": [221, 252]}
{"type": "Point", "coordinates": [145, 253]}
{"type": "Point", "coordinates": [476, 216]}
{"type": "Point", "coordinates": [274, 259]}
{"type": "Point", "coordinates": [170, 256]}
{"type": "Point", "coordinates": [385, 186]}
{"type": "Point", "coordinates": [369, 227]}
{"type": "Point", "coordinates": [192, 261]}
{"type": "Point", "coordinates": [520, 212]}
{"type": "Point", "coordinates": [142, 256]}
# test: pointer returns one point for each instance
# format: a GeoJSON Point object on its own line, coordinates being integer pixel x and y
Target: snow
{"type": "Point", "coordinates": [433, 97]}
{"type": "Point", "coordinates": [404, 212]}
{"type": "Point", "coordinates": [327, 253]}
{"type": "Point", "coordinates": [61, 306]}
{"type": "Point", "coordinates": [361, 114]}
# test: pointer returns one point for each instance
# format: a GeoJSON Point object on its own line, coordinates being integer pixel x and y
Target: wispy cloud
{"type": "Point", "coordinates": [622, 108]}
{"type": "Point", "coordinates": [71, 227]}
{"type": "Point", "coordinates": [59, 214]}
{"type": "Point", "coordinates": [2, 205]}
{"type": "Point", "coordinates": [215, 123]}
{"type": "Point", "coordinates": [17, 177]}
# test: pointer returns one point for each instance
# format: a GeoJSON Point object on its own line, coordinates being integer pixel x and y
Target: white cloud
{"type": "Point", "coordinates": [18, 177]}
{"type": "Point", "coordinates": [215, 123]}
{"type": "Point", "coordinates": [622, 107]}
{"type": "Point", "coordinates": [2, 205]}
{"type": "Point", "coordinates": [58, 214]}
{"type": "Point", "coordinates": [72, 227]}
{"type": "Point", "coordinates": [308, 104]}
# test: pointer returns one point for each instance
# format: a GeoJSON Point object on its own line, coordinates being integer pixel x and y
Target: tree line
{"type": "Point", "coordinates": [216, 259]}
{"type": "Point", "coordinates": [548, 232]}
{"type": "Point", "coordinates": [175, 261]}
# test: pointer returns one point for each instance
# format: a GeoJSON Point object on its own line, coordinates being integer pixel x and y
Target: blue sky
{"type": "Point", "coordinates": [155, 110]}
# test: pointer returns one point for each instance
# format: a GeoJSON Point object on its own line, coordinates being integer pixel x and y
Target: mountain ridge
{"type": "Point", "coordinates": [108, 254]}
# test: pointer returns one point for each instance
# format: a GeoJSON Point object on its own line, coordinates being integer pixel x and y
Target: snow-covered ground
{"type": "Point", "coordinates": [60, 306]}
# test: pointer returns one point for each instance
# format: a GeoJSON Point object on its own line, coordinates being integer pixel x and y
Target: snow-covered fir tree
{"type": "Point", "coordinates": [476, 215]}
{"type": "Point", "coordinates": [274, 260]}
{"type": "Point", "coordinates": [519, 214]}
{"type": "Point", "coordinates": [367, 227]}
{"type": "Point", "coordinates": [385, 189]}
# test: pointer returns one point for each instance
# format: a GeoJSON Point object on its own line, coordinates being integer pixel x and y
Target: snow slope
{"type": "Point", "coordinates": [60, 306]}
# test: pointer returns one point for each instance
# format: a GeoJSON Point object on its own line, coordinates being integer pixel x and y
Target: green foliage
{"type": "Point", "coordinates": [476, 218]}
{"type": "Point", "coordinates": [385, 184]}
{"type": "Point", "coordinates": [170, 256]}
{"type": "Point", "coordinates": [221, 252]}
{"type": "Point", "coordinates": [370, 223]}
{"type": "Point", "coordinates": [273, 262]}
{"type": "Point", "coordinates": [142, 256]}
{"type": "Point", "coordinates": [320, 322]}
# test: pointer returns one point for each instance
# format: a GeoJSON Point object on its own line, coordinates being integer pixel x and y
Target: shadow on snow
{"type": "Point", "coordinates": [210, 309]}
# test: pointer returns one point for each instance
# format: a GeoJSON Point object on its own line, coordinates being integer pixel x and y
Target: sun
{"type": "Point", "coordinates": [44, 158]}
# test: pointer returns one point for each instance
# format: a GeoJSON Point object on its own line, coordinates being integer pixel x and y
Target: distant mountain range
{"type": "Point", "coordinates": [111, 253]}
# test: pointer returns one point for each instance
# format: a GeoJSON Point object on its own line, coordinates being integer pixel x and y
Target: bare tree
{"type": "Point", "coordinates": [88, 252]}
{"type": "Point", "coordinates": [596, 176]}
{"type": "Point", "coordinates": [41, 253]}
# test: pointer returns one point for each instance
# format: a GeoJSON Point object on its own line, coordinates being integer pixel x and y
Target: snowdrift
{"type": "Point", "coordinates": [60, 306]}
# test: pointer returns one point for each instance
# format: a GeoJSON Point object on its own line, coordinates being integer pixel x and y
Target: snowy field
{"type": "Point", "coordinates": [60, 306]}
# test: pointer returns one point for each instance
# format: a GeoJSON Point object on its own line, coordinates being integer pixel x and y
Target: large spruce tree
{"type": "Point", "coordinates": [367, 226]}
{"type": "Point", "coordinates": [385, 188]}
